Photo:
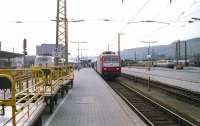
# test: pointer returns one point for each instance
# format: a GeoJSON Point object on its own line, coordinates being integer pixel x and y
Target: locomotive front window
{"type": "Point", "coordinates": [115, 59]}
{"type": "Point", "coordinates": [107, 59]}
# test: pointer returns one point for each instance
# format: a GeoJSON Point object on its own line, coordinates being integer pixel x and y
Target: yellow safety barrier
{"type": "Point", "coordinates": [23, 92]}
{"type": "Point", "coordinates": [21, 96]}
{"type": "Point", "coordinates": [55, 83]}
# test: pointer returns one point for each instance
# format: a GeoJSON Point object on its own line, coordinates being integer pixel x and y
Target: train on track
{"type": "Point", "coordinates": [108, 64]}
{"type": "Point", "coordinates": [165, 63]}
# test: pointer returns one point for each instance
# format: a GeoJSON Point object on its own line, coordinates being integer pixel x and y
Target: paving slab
{"type": "Point", "coordinates": [93, 103]}
{"type": "Point", "coordinates": [183, 79]}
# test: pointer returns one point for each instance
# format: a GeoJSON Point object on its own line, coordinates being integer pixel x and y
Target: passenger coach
{"type": "Point", "coordinates": [108, 64]}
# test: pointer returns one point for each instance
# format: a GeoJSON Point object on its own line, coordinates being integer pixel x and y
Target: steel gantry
{"type": "Point", "coordinates": [61, 28]}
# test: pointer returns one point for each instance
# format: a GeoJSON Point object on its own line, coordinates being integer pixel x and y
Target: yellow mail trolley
{"type": "Point", "coordinates": [24, 93]}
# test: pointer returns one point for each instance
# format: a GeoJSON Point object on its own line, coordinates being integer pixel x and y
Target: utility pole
{"type": "Point", "coordinates": [179, 50]}
{"type": "Point", "coordinates": [149, 49]}
{"type": "Point", "coordinates": [179, 65]}
{"type": "Point", "coordinates": [148, 55]}
{"type": "Point", "coordinates": [82, 52]}
{"type": "Point", "coordinates": [61, 29]}
{"type": "Point", "coordinates": [176, 53]}
{"type": "Point", "coordinates": [186, 53]}
{"type": "Point", "coordinates": [149, 59]}
{"type": "Point", "coordinates": [25, 51]}
{"type": "Point", "coordinates": [135, 56]}
{"type": "Point", "coordinates": [78, 49]}
{"type": "Point", "coordinates": [119, 34]}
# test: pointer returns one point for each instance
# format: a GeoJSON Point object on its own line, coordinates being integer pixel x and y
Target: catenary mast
{"type": "Point", "coordinates": [61, 28]}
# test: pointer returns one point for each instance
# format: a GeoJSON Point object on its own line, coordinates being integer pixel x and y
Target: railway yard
{"type": "Point", "coordinates": [181, 96]}
{"type": "Point", "coordinates": [99, 63]}
{"type": "Point", "coordinates": [127, 100]}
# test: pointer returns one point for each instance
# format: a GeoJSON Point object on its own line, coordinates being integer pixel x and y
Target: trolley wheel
{"type": "Point", "coordinates": [66, 89]}
{"type": "Point", "coordinates": [56, 99]}
{"type": "Point", "coordinates": [3, 110]}
{"type": "Point", "coordinates": [38, 122]}
{"type": "Point", "coordinates": [46, 100]}
{"type": "Point", "coordinates": [72, 84]}
{"type": "Point", "coordinates": [62, 92]}
{"type": "Point", "coordinates": [51, 104]}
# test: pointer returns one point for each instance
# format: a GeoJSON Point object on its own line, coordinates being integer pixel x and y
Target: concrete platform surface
{"type": "Point", "coordinates": [93, 103]}
{"type": "Point", "coordinates": [181, 78]}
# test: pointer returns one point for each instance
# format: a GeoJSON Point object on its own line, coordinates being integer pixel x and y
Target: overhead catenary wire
{"type": "Point", "coordinates": [104, 19]}
{"type": "Point", "coordinates": [179, 18]}
{"type": "Point", "coordinates": [137, 13]}
{"type": "Point", "coordinates": [132, 18]}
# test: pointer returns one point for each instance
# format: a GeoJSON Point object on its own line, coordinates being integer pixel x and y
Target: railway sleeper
{"type": "Point", "coordinates": [171, 90]}
{"type": "Point", "coordinates": [139, 105]}
{"type": "Point", "coordinates": [157, 118]}
{"type": "Point", "coordinates": [162, 119]}
{"type": "Point", "coordinates": [166, 124]}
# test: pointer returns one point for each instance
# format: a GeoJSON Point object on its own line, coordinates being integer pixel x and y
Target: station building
{"type": "Point", "coordinates": [49, 49]}
{"type": "Point", "coordinates": [11, 60]}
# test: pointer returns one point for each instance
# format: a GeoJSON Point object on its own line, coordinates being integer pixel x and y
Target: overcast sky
{"type": "Point", "coordinates": [38, 28]}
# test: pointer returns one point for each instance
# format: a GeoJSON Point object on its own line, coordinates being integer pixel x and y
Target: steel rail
{"type": "Point", "coordinates": [174, 90]}
{"type": "Point", "coordinates": [153, 114]}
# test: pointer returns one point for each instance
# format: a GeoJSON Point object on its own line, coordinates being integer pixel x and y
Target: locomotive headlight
{"type": "Point", "coordinates": [104, 68]}
{"type": "Point", "coordinates": [117, 68]}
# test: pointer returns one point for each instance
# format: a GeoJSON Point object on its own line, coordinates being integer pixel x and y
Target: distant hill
{"type": "Point", "coordinates": [163, 51]}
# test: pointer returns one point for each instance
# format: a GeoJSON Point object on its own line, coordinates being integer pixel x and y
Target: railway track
{"type": "Point", "coordinates": [150, 111]}
{"type": "Point", "coordinates": [184, 94]}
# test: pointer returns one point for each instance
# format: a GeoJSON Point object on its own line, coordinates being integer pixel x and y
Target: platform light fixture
{"type": "Point", "coordinates": [149, 59]}
{"type": "Point", "coordinates": [78, 49]}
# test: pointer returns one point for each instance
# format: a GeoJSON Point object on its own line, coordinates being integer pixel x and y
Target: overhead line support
{"type": "Point", "coordinates": [61, 28]}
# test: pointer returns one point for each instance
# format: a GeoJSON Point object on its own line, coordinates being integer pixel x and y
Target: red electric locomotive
{"type": "Point", "coordinates": [108, 64]}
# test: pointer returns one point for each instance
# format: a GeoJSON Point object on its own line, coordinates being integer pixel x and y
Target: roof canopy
{"type": "Point", "coordinates": [4, 54]}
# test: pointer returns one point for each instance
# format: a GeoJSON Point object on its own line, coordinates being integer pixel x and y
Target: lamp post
{"type": "Point", "coordinates": [119, 40]}
{"type": "Point", "coordinates": [149, 42]}
{"type": "Point", "coordinates": [0, 45]}
{"type": "Point", "coordinates": [149, 61]}
{"type": "Point", "coordinates": [78, 49]}
{"type": "Point", "coordinates": [25, 51]}
{"type": "Point", "coordinates": [82, 57]}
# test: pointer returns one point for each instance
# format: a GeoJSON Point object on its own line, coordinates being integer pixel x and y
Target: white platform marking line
{"type": "Point", "coordinates": [55, 112]}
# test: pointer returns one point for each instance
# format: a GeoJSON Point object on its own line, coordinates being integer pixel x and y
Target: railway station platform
{"type": "Point", "coordinates": [185, 79]}
{"type": "Point", "coordinates": [93, 103]}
